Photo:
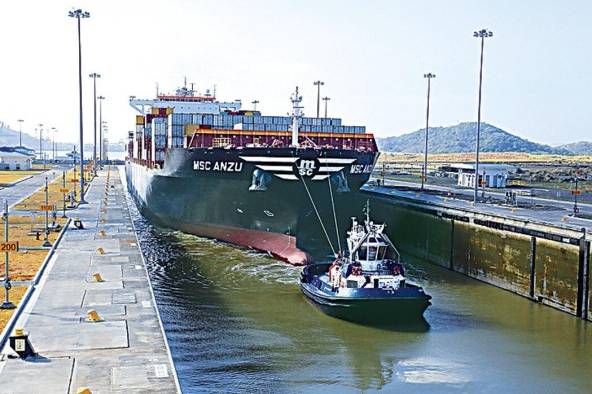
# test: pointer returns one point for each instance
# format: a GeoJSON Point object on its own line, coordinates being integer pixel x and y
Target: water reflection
{"type": "Point", "coordinates": [237, 322]}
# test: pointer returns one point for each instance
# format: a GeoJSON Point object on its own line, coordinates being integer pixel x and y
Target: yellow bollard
{"type": "Point", "coordinates": [93, 317]}
{"type": "Point", "coordinates": [97, 277]}
{"type": "Point", "coordinates": [101, 251]}
{"type": "Point", "coordinates": [83, 390]}
{"type": "Point", "coordinates": [102, 233]}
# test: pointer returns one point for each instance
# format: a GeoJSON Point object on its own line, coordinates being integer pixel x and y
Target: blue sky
{"type": "Point", "coordinates": [371, 55]}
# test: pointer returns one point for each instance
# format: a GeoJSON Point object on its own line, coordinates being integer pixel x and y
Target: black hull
{"type": "Point", "coordinates": [255, 193]}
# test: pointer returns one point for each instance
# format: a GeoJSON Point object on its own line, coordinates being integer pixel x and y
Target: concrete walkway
{"type": "Point", "coordinates": [127, 352]}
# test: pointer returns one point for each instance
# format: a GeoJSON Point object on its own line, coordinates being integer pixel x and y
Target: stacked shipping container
{"type": "Point", "coordinates": [163, 129]}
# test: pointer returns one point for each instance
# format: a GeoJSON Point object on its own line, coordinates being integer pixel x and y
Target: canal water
{"type": "Point", "coordinates": [236, 322]}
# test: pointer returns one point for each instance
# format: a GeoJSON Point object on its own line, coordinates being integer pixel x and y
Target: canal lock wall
{"type": "Point", "coordinates": [544, 265]}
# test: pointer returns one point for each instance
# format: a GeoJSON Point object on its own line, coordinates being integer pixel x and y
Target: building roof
{"type": "Point", "coordinates": [482, 166]}
{"type": "Point", "coordinates": [15, 151]}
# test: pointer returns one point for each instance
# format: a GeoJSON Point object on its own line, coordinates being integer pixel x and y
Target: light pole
{"type": "Point", "coordinates": [424, 175]}
{"type": "Point", "coordinates": [318, 84]}
{"type": "Point", "coordinates": [255, 102]}
{"type": "Point", "coordinates": [94, 76]}
{"type": "Point", "coordinates": [101, 98]}
{"type": "Point", "coordinates": [103, 136]}
{"type": "Point", "coordinates": [325, 99]}
{"type": "Point", "coordinates": [40, 144]}
{"type": "Point", "coordinates": [482, 34]}
{"type": "Point", "coordinates": [20, 121]}
{"type": "Point", "coordinates": [53, 153]}
{"type": "Point", "coordinates": [79, 14]}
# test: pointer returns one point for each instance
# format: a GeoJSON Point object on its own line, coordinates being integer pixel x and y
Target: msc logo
{"type": "Point", "coordinates": [306, 167]}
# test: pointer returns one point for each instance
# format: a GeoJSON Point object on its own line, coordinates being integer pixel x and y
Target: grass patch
{"type": "Point", "coordinates": [16, 295]}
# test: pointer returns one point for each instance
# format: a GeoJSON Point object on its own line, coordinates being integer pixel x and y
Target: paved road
{"type": "Point", "coordinates": [126, 352]}
{"type": "Point", "coordinates": [14, 194]}
{"type": "Point", "coordinates": [556, 214]}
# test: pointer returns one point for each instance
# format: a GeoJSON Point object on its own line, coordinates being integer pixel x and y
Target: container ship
{"type": "Point", "coordinates": [277, 184]}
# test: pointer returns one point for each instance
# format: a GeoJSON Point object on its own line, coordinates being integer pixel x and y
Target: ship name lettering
{"type": "Point", "coordinates": [223, 166]}
{"type": "Point", "coordinates": [361, 169]}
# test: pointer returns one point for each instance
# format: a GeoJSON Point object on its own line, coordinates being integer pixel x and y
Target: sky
{"type": "Point", "coordinates": [371, 54]}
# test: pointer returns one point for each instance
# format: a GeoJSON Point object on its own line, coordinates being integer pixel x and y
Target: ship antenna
{"type": "Point", "coordinates": [296, 114]}
{"type": "Point", "coordinates": [368, 211]}
{"type": "Point", "coordinates": [157, 89]}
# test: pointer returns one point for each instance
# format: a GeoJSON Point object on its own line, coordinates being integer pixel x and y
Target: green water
{"type": "Point", "coordinates": [237, 322]}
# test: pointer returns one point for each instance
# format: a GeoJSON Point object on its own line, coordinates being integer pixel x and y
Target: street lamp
{"type": "Point", "coordinates": [20, 121]}
{"type": "Point", "coordinates": [101, 98]}
{"type": "Point", "coordinates": [53, 130]}
{"type": "Point", "coordinates": [325, 99]}
{"type": "Point", "coordinates": [482, 34]}
{"type": "Point", "coordinates": [94, 76]}
{"type": "Point", "coordinates": [255, 102]}
{"type": "Point", "coordinates": [40, 144]}
{"type": "Point", "coordinates": [103, 147]}
{"type": "Point", "coordinates": [79, 14]}
{"type": "Point", "coordinates": [318, 84]}
{"type": "Point", "coordinates": [424, 174]}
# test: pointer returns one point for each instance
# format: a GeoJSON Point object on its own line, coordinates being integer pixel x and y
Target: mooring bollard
{"type": "Point", "coordinates": [19, 342]}
{"type": "Point", "coordinates": [93, 317]}
{"type": "Point", "coordinates": [78, 224]}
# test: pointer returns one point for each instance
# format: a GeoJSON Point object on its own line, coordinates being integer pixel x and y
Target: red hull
{"type": "Point", "coordinates": [280, 246]}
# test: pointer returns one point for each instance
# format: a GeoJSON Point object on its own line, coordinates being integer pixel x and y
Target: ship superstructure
{"type": "Point", "coordinates": [214, 169]}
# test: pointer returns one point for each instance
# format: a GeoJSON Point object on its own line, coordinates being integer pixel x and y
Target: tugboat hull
{"type": "Point", "coordinates": [364, 305]}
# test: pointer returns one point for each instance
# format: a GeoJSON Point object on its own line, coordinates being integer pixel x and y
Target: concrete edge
{"type": "Point", "coordinates": [17, 182]}
{"type": "Point", "coordinates": [166, 341]}
{"type": "Point", "coordinates": [27, 296]}
{"type": "Point", "coordinates": [418, 203]}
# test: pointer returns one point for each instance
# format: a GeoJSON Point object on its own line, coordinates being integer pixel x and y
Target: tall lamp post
{"type": "Point", "coordinates": [326, 99]}
{"type": "Point", "coordinates": [255, 102]}
{"type": "Point", "coordinates": [79, 14]}
{"type": "Point", "coordinates": [318, 84]}
{"type": "Point", "coordinates": [482, 34]}
{"type": "Point", "coordinates": [40, 144]}
{"type": "Point", "coordinates": [101, 98]}
{"type": "Point", "coordinates": [94, 76]}
{"type": "Point", "coordinates": [53, 153]}
{"type": "Point", "coordinates": [20, 121]}
{"type": "Point", "coordinates": [104, 137]}
{"type": "Point", "coordinates": [424, 173]}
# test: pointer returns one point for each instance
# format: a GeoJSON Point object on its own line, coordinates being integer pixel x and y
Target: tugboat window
{"type": "Point", "coordinates": [363, 251]}
{"type": "Point", "coordinates": [372, 253]}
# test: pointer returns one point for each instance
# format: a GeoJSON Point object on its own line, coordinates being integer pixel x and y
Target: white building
{"type": "Point", "coordinates": [15, 160]}
{"type": "Point", "coordinates": [490, 175]}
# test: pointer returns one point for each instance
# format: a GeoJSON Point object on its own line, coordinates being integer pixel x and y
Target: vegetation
{"type": "Point", "coordinates": [461, 138]}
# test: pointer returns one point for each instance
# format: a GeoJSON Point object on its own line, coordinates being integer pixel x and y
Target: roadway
{"type": "Point", "coordinates": [551, 212]}
{"type": "Point", "coordinates": [15, 193]}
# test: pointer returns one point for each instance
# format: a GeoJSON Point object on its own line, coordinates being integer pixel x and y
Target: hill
{"type": "Point", "coordinates": [579, 148]}
{"type": "Point", "coordinates": [10, 137]}
{"type": "Point", "coordinates": [461, 138]}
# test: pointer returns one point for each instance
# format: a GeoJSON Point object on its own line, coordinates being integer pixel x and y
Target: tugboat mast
{"type": "Point", "coordinates": [296, 114]}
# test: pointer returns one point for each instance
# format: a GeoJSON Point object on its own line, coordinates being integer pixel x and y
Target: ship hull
{"type": "Point", "coordinates": [261, 198]}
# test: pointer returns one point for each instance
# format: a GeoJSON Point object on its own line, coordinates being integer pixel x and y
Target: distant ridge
{"type": "Point", "coordinates": [578, 148]}
{"type": "Point", "coordinates": [461, 139]}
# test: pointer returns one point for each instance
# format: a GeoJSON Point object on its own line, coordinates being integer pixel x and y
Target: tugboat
{"type": "Point", "coordinates": [368, 285]}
